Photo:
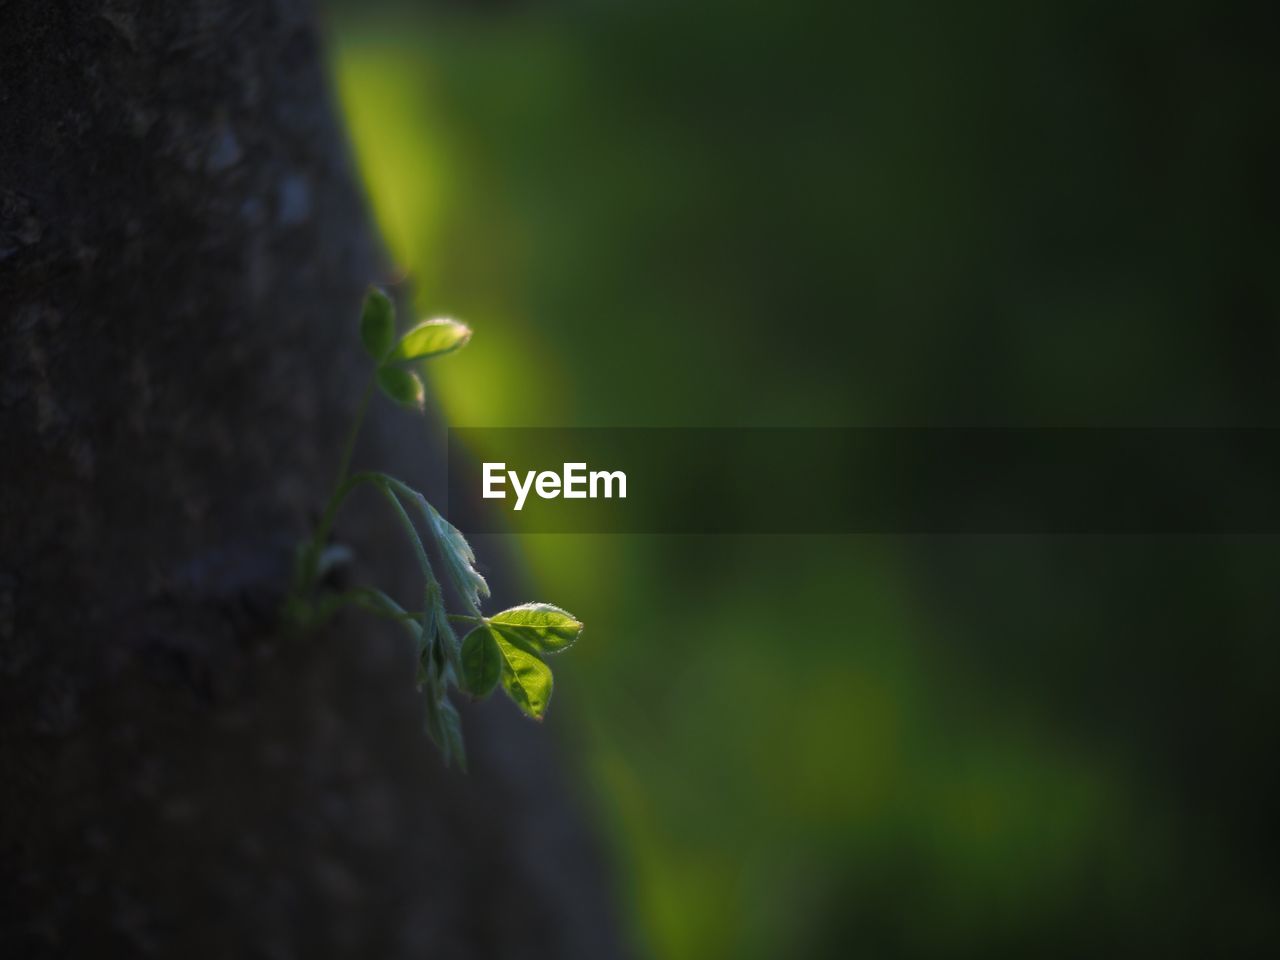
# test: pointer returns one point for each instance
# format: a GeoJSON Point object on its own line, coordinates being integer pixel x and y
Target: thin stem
{"type": "Point", "coordinates": [308, 568]}
{"type": "Point", "coordinates": [430, 516]}
{"type": "Point", "coordinates": [359, 598]}
{"type": "Point", "coordinates": [311, 556]}
{"type": "Point", "coordinates": [434, 596]}
{"type": "Point", "coordinates": [371, 601]}
{"type": "Point", "coordinates": [377, 602]}
{"type": "Point", "coordinates": [423, 561]}
{"type": "Point", "coordinates": [349, 448]}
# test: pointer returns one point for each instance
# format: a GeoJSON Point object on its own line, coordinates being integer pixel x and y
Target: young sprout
{"type": "Point", "coordinates": [507, 648]}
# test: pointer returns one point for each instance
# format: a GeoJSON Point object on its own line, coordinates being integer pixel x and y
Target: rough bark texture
{"type": "Point", "coordinates": [182, 254]}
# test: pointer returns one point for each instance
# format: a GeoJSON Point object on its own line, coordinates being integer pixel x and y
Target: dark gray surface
{"type": "Point", "coordinates": [183, 250]}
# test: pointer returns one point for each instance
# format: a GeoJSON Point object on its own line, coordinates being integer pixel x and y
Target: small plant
{"type": "Point", "coordinates": [507, 648]}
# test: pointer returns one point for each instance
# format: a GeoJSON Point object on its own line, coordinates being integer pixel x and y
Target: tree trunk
{"type": "Point", "coordinates": [183, 251]}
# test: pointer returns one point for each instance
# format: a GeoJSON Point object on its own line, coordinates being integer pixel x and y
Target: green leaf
{"type": "Point", "coordinates": [452, 725]}
{"type": "Point", "coordinates": [537, 627]}
{"type": "Point", "coordinates": [458, 556]}
{"type": "Point", "coordinates": [444, 727]}
{"type": "Point", "coordinates": [378, 324]}
{"type": "Point", "coordinates": [457, 553]}
{"type": "Point", "coordinates": [526, 679]}
{"type": "Point", "coordinates": [481, 662]}
{"type": "Point", "coordinates": [444, 630]}
{"type": "Point", "coordinates": [432, 722]}
{"type": "Point", "coordinates": [431, 338]}
{"type": "Point", "coordinates": [402, 386]}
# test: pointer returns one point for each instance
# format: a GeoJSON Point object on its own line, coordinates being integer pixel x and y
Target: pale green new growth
{"type": "Point", "coordinates": [538, 627]}
{"type": "Point", "coordinates": [503, 649]}
{"type": "Point", "coordinates": [431, 338]}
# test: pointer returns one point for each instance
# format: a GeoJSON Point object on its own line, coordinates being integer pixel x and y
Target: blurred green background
{"type": "Point", "coordinates": [717, 214]}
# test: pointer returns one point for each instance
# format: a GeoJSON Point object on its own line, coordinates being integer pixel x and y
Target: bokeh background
{"type": "Point", "coordinates": [664, 213]}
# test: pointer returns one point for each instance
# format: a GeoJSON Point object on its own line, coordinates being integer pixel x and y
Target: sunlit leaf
{"type": "Point", "coordinates": [526, 679]}
{"type": "Point", "coordinates": [431, 338]}
{"type": "Point", "coordinates": [402, 386]}
{"type": "Point", "coordinates": [458, 556]}
{"type": "Point", "coordinates": [378, 324]}
{"type": "Point", "coordinates": [481, 662]}
{"type": "Point", "coordinates": [538, 627]}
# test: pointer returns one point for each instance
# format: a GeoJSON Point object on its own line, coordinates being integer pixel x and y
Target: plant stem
{"type": "Point", "coordinates": [423, 562]}
{"type": "Point", "coordinates": [309, 564]}
{"type": "Point", "coordinates": [434, 596]}
{"type": "Point", "coordinates": [431, 517]}
{"type": "Point", "coordinates": [311, 555]}
{"type": "Point", "coordinates": [349, 448]}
